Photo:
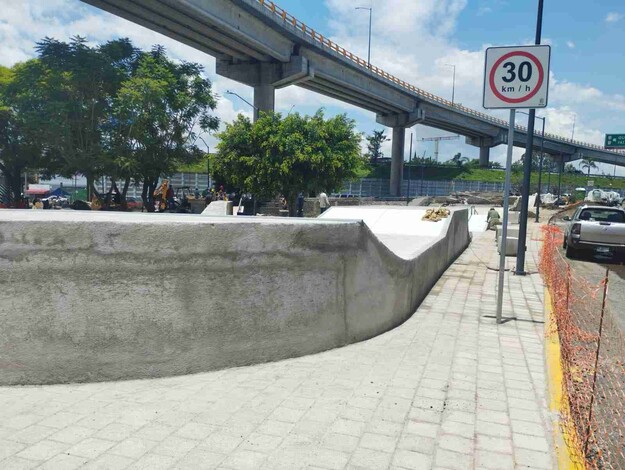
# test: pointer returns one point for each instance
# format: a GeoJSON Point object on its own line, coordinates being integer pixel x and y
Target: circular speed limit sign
{"type": "Point", "coordinates": [516, 77]}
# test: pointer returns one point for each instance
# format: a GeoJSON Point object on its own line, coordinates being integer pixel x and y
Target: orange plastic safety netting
{"type": "Point", "coordinates": [592, 343]}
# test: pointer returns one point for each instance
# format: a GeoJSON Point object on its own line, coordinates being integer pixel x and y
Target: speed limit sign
{"type": "Point", "coordinates": [516, 77]}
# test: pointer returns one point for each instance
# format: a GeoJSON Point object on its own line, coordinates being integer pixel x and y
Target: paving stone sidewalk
{"type": "Point", "coordinates": [448, 389]}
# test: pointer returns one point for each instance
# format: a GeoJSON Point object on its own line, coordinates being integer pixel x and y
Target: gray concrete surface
{"type": "Point", "coordinates": [106, 296]}
{"type": "Point", "coordinates": [447, 390]}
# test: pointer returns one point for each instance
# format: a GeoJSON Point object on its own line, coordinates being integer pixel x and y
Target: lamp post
{"type": "Point", "coordinates": [453, 86]}
{"type": "Point", "coordinates": [370, 16]}
{"type": "Point", "coordinates": [540, 164]}
{"type": "Point", "coordinates": [573, 131]}
{"type": "Point", "coordinates": [229, 92]}
{"type": "Point", "coordinates": [519, 269]}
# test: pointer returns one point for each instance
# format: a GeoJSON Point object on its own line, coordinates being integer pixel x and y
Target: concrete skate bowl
{"type": "Point", "coordinates": [88, 297]}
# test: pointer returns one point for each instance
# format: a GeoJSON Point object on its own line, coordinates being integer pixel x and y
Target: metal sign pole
{"type": "Point", "coordinates": [506, 206]}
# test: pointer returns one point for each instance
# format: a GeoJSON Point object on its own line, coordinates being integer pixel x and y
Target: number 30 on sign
{"type": "Point", "coordinates": [516, 77]}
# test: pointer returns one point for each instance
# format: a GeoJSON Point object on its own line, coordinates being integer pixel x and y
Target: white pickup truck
{"type": "Point", "coordinates": [597, 228]}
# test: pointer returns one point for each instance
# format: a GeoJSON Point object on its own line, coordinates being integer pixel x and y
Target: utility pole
{"type": "Point", "coordinates": [437, 140]}
{"type": "Point", "coordinates": [527, 167]}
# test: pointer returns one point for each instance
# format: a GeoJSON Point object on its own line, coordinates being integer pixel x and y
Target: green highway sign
{"type": "Point", "coordinates": [615, 141]}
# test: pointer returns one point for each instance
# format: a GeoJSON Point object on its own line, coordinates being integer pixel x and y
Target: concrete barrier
{"type": "Point", "coordinates": [218, 208]}
{"type": "Point", "coordinates": [104, 296]}
{"type": "Point", "coordinates": [512, 243]}
{"type": "Point", "coordinates": [512, 231]}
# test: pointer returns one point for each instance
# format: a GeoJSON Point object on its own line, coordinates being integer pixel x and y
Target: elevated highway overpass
{"type": "Point", "coordinates": [261, 45]}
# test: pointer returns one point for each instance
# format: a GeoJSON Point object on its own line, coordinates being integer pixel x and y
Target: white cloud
{"type": "Point", "coordinates": [570, 44]}
{"type": "Point", "coordinates": [613, 17]}
{"type": "Point", "coordinates": [569, 93]}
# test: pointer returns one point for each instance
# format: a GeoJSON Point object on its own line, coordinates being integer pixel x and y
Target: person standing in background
{"type": "Point", "coordinates": [324, 202]}
{"type": "Point", "coordinates": [300, 204]}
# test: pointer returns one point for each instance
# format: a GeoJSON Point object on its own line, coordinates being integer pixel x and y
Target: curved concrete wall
{"type": "Point", "coordinates": [91, 297]}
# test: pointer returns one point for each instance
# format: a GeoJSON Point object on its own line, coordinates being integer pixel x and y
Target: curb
{"type": "Point", "coordinates": [565, 438]}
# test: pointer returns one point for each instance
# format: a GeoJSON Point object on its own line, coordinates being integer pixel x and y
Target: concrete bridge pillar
{"type": "Point", "coordinates": [264, 99]}
{"type": "Point", "coordinates": [484, 156]}
{"type": "Point", "coordinates": [397, 160]}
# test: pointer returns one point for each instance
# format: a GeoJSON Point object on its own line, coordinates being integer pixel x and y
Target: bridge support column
{"type": "Point", "coordinates": [397, 160]}
{"type": "Point", "coordinates": [484, 157]}
{"type": "Point", "coordinates": [264, 99]}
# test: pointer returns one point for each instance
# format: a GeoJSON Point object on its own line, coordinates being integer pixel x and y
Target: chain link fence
{"type": "Point", "coordinates": [371, 187]}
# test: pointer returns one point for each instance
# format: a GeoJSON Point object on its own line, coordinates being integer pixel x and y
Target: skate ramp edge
{"type": "Point", "coordinates": [88, 297]}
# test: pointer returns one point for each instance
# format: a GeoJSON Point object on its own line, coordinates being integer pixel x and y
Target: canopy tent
{"type": "Point", "coordinates": [59, 192]}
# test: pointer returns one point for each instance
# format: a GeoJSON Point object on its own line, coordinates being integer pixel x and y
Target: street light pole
{"type": "Point", "coordinates": [228, 92]}
{"type": "Point", "coordinates": [208, 163]}
{"type": "Point", "coordinates": [527, 167]}
{"type": "Point", "coordinates": [370, 17]}
{"type": "Point", "coordinates": [453, 85]}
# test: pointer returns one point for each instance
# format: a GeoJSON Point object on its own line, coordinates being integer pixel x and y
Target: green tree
{"type": "Point", "coordinates": [278, 155]}
{"type": "Point", "coordinates": [457, 160]}
{"type": "Point", "coordinates": [156, 119]}
{"type": "Point", "coordinates": [589, 164]}
{"type": "Point", "coordinates": [570, 168]}
{"type": "Point", "coordinates": [18, 152]}
{"type": "Point", "coordinates": [64, 99]}
{"type": "Point", "coordinates": [374, 146]}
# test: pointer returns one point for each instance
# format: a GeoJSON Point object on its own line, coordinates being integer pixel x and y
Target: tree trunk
{"type": "Point", "coordinates": [15, 188]}
{"type": "Point", "coordinates": [125, 193]}
{"type": "Point", "coordinates": [291, 200]}
{"type": "Point", "coordinates": [91, 190]}
{"type": "Point", "coordinates": [89, 186]}
{"type": "Point", "coordinates": [146, 196]}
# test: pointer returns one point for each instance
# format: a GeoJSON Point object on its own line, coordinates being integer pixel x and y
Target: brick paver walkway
{"type": "Point", "coordinates": [448, 389]}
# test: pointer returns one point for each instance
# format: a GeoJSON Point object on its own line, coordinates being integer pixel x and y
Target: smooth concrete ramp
{"type": "Point", "coordinates": [218, 208]}
{"type": "Point", "coordinates": [401, 229]}
{"type": "Point", "coordinates": [92, 296]}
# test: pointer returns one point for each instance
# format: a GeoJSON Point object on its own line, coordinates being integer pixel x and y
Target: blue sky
{"type": "Point", "coordinates": [412, 39]}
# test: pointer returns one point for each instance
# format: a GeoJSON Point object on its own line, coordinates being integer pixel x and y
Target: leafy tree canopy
{"type": "Point", "coordinates": [277, 155]}
{"type": "Point", "coordinates": [105, 110]}
{"type": "Point", "coordinates": [374, 146]}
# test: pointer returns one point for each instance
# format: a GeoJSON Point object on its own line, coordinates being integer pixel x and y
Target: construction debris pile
{"type": "Point", "coordinates": [434, 215]}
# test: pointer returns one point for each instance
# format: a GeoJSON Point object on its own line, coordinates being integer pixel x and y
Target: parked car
{"type": "Point", "coordinates": [595, 228]}
{"type": "Point", "coordinates": [134, 203]}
